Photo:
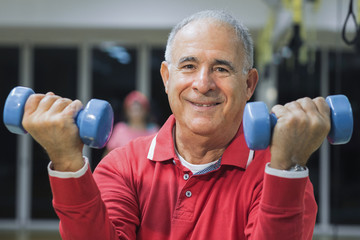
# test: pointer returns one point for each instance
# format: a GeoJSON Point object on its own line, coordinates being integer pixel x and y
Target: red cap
{"type": "Point", "coordinates": [136, 96]}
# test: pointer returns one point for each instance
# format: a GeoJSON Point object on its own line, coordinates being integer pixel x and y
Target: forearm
{"type": "Point", "coordinates": [281, 212]}
{"type": "Point", "coordinates": [78, 204]}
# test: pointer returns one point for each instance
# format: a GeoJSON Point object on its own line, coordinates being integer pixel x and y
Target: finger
{"type": "Point", "coordinates": [294, 107]}
{"type": "Point", "coordinates": [322, 106]}
{"type": "Point", "coordinates": [308, 105]}
{"type": "Point", "coordinates": [46, 103]}
{"type": "Point", "coordinates": [73, 108]}
{"type": "Point", "coordinates": [32, 103]}
{"type": "Point", "coordinates": [279, 110]}
{"type": "Point", "coordinates": [59, 105]}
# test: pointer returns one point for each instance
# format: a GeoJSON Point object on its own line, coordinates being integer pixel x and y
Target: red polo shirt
{"type": "Point", "coordinates": [145, 193]}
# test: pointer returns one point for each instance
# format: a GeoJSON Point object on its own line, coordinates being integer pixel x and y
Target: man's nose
{"type": "Point", "coordinates": [204, 81]}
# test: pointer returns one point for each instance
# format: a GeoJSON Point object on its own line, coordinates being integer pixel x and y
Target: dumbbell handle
{"type": "Point", "coordinates": [259, 137]}
{"type": "Point", "coordinates": [94, 122]}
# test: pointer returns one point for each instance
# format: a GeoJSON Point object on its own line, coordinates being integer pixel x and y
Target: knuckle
{"type": "Point", "coordinates": [50, 98]}
{"type": "Point", "coordinates": [289, 104]}
{"type": "Point", "coordinates": [63, 101]}
{"type": "Point", "coordinates": [319, 99]}
{"type": "Point", "coordinates": [77, 101]}
{"type": "Point", "coordinates": [304, 100]}
{"type": "Point", "coordinates": [276, 108]}
{"type": "Point", "coordinates": [293, 105]}
{"type": "Point", "coordinates": [32, 99]}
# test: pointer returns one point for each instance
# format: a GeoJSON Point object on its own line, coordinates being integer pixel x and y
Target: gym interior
{"type": "Point", "coordinates": [105, 49]}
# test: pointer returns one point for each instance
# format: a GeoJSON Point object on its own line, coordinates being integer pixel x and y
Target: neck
{"type": "Point", "coordinates": [197, 149]}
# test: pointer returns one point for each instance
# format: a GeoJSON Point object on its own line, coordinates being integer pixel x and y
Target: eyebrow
{"type": "Point", "coordinates": [226, 63]}
{"type": "Point", "coordinates": [188, 59]}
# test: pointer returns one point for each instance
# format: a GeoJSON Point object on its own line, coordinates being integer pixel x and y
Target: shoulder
{"type": "Point", "coordinates": [129, 156]}
{"type": "Point", "coordinates": [125, 165]}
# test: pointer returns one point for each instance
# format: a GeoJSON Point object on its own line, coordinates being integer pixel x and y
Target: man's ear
{"type": "Point", "coordinates": [252, 80]}
{"type": "Point", "coordinates": [164, 71]}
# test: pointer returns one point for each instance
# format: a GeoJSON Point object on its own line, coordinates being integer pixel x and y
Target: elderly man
{"type": "Point", "coordinates": [196, 178]}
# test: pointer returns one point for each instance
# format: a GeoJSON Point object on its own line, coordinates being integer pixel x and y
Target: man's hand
{"type": "Point", "coordinates": [301, 127]}
{"type": "Point", "coordinates": [49, 119]}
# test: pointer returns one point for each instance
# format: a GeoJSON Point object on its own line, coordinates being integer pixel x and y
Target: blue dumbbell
{"type": "Point", "coordinates": [258, 123]}
{"type": "Point", "coordinates": [94, 122]}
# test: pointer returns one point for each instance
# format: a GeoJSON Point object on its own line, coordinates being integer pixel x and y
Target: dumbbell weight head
{"type": "Point", "coordinates": [258, 123]}
{"type": "Point", "coordinates": [14, 109]}
{"type": "Point", "coordinates": [94, 122]}
{"type": "Point", "coordinates": [341, 119]}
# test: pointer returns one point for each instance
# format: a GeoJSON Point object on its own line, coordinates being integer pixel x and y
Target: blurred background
{"type": "Point", "coordinates": [106, 49]}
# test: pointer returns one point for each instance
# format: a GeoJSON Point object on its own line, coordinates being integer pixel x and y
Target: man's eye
{"type": "Point", "coordinates": [220, 69]}
{"type": "Point", "coordinates": [189, 66]}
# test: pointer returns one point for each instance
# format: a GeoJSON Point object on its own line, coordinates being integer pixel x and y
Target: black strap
{"type": "Point", "coordinates": [352, 15]}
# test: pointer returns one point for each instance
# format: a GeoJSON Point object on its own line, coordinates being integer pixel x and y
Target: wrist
{"type": "Point", "coordinates": [286, 165]}
{"type": "Point", "coordinates": [71, 163]}
{"type": "Point", "coordinates": [287, 162]}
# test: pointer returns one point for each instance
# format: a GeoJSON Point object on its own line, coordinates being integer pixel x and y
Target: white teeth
{"type": "Point", "coordinates": [204, 105]}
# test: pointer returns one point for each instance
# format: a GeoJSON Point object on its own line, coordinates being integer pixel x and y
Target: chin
{"type": "Point", "coordinates": [204, 127]}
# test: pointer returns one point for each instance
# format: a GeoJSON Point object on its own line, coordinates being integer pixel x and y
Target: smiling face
{"type": "Point", "coordinates": [205, 83]}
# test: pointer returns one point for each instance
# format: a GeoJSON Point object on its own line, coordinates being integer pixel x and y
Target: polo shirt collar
{"type": "Point", "coordinates": [237, 153]}
{"type": "Point", "coordinates": [162, 147]}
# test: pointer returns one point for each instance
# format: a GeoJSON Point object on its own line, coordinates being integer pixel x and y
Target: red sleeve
{"type": "Point", "coordinates": [285, 209]}
{"type": "Point", "coordinates": [97, 206]}
{"type": "Point", "coordinates": [113, 176]}
{"type": "Point", "coordinates": [85, 213]}
{"type": "Point", "coordinates": [81, 211]}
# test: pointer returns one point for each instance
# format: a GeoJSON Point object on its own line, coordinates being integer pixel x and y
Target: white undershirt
{"type": "Point", "coordinates": [194, 168]}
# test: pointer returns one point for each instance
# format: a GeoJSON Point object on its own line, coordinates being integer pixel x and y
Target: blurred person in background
{"type": "Point", "coordinates": [137, 124]}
